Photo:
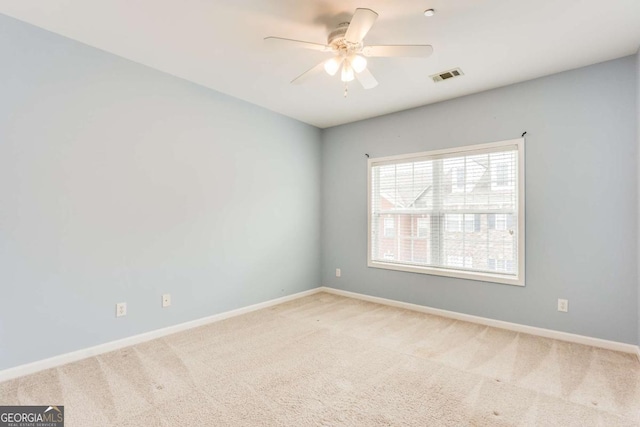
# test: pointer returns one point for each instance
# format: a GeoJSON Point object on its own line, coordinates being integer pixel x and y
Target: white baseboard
{"type": "Point", "coordinates": [532, 330]}
{"type": "Point", "coordinates": [63, 359]}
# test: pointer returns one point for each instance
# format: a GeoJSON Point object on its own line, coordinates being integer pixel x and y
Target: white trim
{"type": "Point", "coordinates": [532, 330]}
{"type": "Point", "coordinates": [516, 280]}
{"type": "Point", "coordinates": [369, 180]}
{"type": "Point", "coordinates": [521, 177]}
{"type": "Point", "coordinates": [458, 274]}
{"type": "Point", "coordinates": [74, 356]}
{"type": "Point", "coordinates": [489, 147]}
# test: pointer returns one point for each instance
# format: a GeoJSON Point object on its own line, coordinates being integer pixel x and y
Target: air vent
{"type": "Point", "coordinates": [446, 75]}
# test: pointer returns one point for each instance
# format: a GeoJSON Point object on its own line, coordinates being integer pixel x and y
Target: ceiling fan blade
{"type": "Point", "coordinates": [296, 44]}
{"type": "Point", "coordinates": [316, 69]}
{"type": "Point", "coordinates": [361, 23]}
{"type": "Point", "coordinates": [412, 51]}
{"type": "Point", "coordinates": [366, 79]}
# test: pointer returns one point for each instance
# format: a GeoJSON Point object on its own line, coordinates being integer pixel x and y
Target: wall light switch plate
{"type": "Point", "coordinates": [166, 300]}
{"type": "Point", "coordinates": [121, 309]}
{"type": "Point", "coordinates": [563, 305]}
{"type": "Point", "coordinates": [338, 272]}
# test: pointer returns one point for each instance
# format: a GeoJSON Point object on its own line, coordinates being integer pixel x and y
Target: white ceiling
{"type": "Point", "coordinates": [219, 44]}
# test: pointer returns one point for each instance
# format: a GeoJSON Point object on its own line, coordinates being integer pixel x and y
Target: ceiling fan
{"type": "Point", "coordinates": [349, 52]}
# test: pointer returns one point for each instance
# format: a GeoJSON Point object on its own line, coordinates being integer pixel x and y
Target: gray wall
{"type": "Point", "coordinates": [638, 162]}
{"type": "Point", "coordinates": [119, 183]}
{"type": "Point", "coordinates": [581, 200]}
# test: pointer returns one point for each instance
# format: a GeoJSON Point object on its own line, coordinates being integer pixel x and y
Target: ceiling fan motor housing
{"type": "Point", "coordinates": [339, 44]}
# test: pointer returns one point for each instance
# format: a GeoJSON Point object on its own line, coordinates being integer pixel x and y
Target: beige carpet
{"type": "Point", "coordinates": [326, 360]}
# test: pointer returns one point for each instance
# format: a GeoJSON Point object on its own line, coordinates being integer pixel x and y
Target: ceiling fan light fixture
{"type": "Point", "coordinates": [349, 52]}
{"type": "Point", "coordinates": [347, 72]}
{"type": "Point", "coordinates": [359, 63]}
{"type": "Point", "coordinates": [333, 65]}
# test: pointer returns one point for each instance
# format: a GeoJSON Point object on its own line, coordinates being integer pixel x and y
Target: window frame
{"type": "Point", "coordinates": [519, 278]}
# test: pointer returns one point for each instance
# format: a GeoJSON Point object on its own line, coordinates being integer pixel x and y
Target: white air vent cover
{"type": "Point", "coordinates": [445, 75]}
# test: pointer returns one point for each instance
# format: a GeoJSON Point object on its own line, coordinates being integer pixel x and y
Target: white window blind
{"type": "Point", "coordinates": [454, 212]}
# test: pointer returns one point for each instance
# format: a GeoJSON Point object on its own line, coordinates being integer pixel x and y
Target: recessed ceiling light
{"type": "Point", "coordinates": [429, 12]}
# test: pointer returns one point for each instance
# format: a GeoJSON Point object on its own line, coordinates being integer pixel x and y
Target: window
{"type": "Point", "coordinates": [389, 227]}
{"type": "Point", "coordinates": [458, 183]}
{"type": "Point", "coordinates": [423, 227]}
{"type": "Point", "coordinates": [499, 264]}
{"type": "Point", "coordinates": [459, 261]}
{"type": "Point", "coordinates": [453, 222]}
{"type": "Point", "coordinates": [469, 223]}
{"type": "Point", "coordinates": [501, 221]}
{"type": "Point", "coordinates": [502, 173]}
{"type": "Point", "coordinates": [458, 212]}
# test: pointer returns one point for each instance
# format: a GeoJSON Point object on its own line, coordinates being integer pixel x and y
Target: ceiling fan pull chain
{"type": "Point", "coordinates": [346, 90]}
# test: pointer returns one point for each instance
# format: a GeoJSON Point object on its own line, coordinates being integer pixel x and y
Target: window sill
{"type": "Point", "coordinates": [469, 275]}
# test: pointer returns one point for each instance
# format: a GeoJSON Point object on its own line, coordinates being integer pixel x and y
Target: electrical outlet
{"type": "Point", "coordinates": [121, 309]}
{"type": "Point", "coordinates": [166, 300]}
{"type": "Point", "coordinates": [338, 272]}
{"type": "Point", "coordinates": [563, 305]}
